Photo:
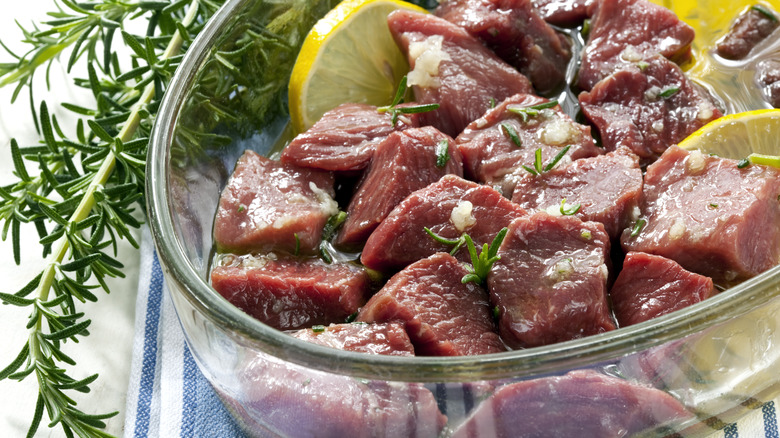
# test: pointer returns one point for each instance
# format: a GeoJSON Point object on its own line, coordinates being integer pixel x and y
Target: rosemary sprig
{"type": "Point", "coordinates": [329, 232]}
{"type": "Point", "coordinates": [540, 168]}
{"type": "Point", "coordinates": [569, 210]}
{"type": "Point", "coordinates": [480, 263]}
{"type": "Point", "coordinates": [395, 110]}
{"type": "Point", "coordinates": [89, 189]}
{"type": "Point", "coordinates": [527, 112]}
{"type": "Point", "coordinates": [442, 153]}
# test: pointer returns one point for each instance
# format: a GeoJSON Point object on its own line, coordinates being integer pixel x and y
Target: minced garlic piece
{"type": "Point", "coordinates": [427, 55]}
{"type": "Point", "coordinates": [461, 216]}
{"type": "Point", "coordinates": [631, 54]}
{"type": "Point", "coordinates": [558, 132]}
{"type": "Point", "coordinates": [327, 204]}
{"type": "Point", "coordinates": [677, 230]}
{"type": "Point", "coordinates": [705, 111]}
{"type": "Point", "coordinates": [696, 161]}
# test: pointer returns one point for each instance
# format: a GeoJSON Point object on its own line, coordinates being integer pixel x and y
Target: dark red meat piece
{"type": "Point", "coordinates": [626, 31]}
{"type": "Point", "coordinates": [450, 207]}
{"type": "Point", "coordinates": [651, 285]}
{"type": "Point", "coordinates": [749, 29]}
{"type": "Point", "coordinates": [452, 68]}
{"type": "Point", "coordinates": [606, 187]}
{"type": "Point", "coordinates": [647, 108]}
{"type": "Point", "coordinates": [388, 339]}
{"type": "Point", "coordinates": [293, 401]}
{"type": "Point", "coordinates": [516, 33]}
{"type": "Point", "coordinates": [563, 12]}
{"type": "Point", "coordinates": [550, 284]}
{"type": "Point", "coordinates": [343, 140]}
{"type": "Point", "coordinates": [442, 316]}
{"type": "Point", "coordinates": [491, 156]}
{"type": "Point", "coordinates": [710, 216]}
{"type": "Point", "coordinates": [582, 403]}
{"type": "Point", "coordinates": [404, 162]}
{"type": "Point", "coordinates": [768, 79]}
{"type": "Point", "coordinates": [290, 294]}
{"type": "Point", "coordinates": [266, 204]}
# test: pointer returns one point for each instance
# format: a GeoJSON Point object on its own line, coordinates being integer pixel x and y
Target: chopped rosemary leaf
{"type": "Point", "coordinates": [459, 242]}
{"type": "Point", "coordinates": [297, 244]}
{"type": "Point", "coordinates": [511, 132]}
{"type": "Point", "coordinates": [638, 226]}
{"type": "Point", "coordinates": [241, 208]}
{"type": "Point", "coordinates": [398, 99]}
{"type": "Point", "coordinates": [743, 163]}
{"type": "Point", "coordinates": [318, 328]}
{"type": "Point", "coordinates": [557, 158]}
{"type": "Point", "coordinates": [442, 153]}
{"type": "Point", "coordinates": [765, 160]}
{"type": "Point", "coordinates": [492, 102]}
{"type": "Point", "coordinates": [642, 65]}
{"type": "Point", "coordinates": [713, 205]}
{"type": "Point", "coordinates": [569, 210]}
{"type": "Point", "coordinates": [531, 111]}
{"type": "Point", "coordinates": [328, 232]}
{"type": "Point", "coordinates": [496, 312]}
{"type": "Point", "coordinates": [765, 12]}
{"type": "Point", "coordinates": [668, 92]}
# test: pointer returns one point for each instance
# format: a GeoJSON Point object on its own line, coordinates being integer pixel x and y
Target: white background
{"type": "Point", "coordinates": [107, 350]}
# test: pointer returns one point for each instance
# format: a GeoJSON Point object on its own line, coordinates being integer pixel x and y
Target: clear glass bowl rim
{"type": "Point", "coordinates": [563, 356]}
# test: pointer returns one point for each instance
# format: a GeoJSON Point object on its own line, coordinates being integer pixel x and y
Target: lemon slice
{"type": "Point", "coordinates": [739, 135]}
{"type": "Point", "coordinates": [349, 56]}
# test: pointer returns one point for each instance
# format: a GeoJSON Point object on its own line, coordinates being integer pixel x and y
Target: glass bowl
{"type": "Point", "coordinates": [718, 358]}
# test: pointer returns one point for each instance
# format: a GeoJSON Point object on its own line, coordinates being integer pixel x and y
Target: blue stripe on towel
{"type": "Point", "coordinates": [730, 431]}
{"type": "Point", "coordinates": [770, 420]}
{"type": "Point", "coordinates": [151, 325]}
{"type": "Point", "coordinates": [189, 394]}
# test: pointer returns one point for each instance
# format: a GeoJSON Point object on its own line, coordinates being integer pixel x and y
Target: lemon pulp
{"type": "Point", "coordinates": [349, 56]}
{"type": "Point", "coordinates": [738, 135]}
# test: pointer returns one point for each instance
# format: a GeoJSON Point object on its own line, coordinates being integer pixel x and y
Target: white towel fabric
{"type": "Point", "coordinates": [169, 397]}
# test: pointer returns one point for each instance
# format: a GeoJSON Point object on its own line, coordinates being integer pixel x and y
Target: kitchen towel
{"type": "Point", "coordinates": [169, 397]}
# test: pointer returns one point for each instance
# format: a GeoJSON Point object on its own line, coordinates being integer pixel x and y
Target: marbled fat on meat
{"type": "Point", "coordinates": [404, 162]}
{"type": "Point", "coordinates": [647, 107]}
{"type": "Point", "coordinates": [292, 293]}
{"type": "Point", "coordinates": [449, 207]}
{"type": "Point", "coordinates": [607, 189]}
{"type": "Point", "coordinates": [582, 403]}
{"type": "Point", "coordinates": [492, 157]}
{"type": "Point", "coordinates": [550, 284]}
{"type": "Point", "coordinates": [442, 315]}
{"type": "Point", "coordinates": [625, 31]}
{"type": "Point", "coordinates": [649, 286]}
{"type": "Point", "coordinates": [514, 30]}
{"type": "Point", "coordinates": [710, 216]}
{"type": "Point", "coordinates": [266, 204]}
{"type": "Point", "coordinates": [389, 339]}
{"type": "Point", "coordinates": [452, 68]}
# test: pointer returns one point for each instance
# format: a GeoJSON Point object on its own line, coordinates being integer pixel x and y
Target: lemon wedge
{"type": "Point", "coordinates": [739, 135]}
{"type": "Point", "coordinates": [348, 56]}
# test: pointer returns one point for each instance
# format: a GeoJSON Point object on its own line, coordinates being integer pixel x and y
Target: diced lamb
{"type": "Point", "coordinates": [626, 31]}
{"type": "Point", "coordinates": [709, 215]}
{"type": "Point", "coordinates": [768, 79]}
{"type": "Point", "coordinates": [452, 68]}
{"type": "Point", "coordinates": [582, 403]}
{"type": "Point", "coordinates": [747, 31]}
{"type": "Point", "coordinates": [607, 189]}
{"type": "Point", "coordinates": [490, 155]}
{"type": "Point", "coordinates": [550, 284]}
{"type": "Point", "coordinates": [514, 30]}
{"type": "Point", "coordinates": [442, 315]}
{"type": "Point", "coordinates": [294, 402]}
{"type": "Point", "coordinates": [567, 13]}
{"type": "Point", "coordinates": [450, 207]}
{"type": "Point", "coordinates": [404, 162]}
{"type": "Point", "coordinates": [292, 293]}
{"type": "Point", "coordinates": [270, 206]}
{"type": "Point", "coordinates": [389, 339]}
{"type": "Point", "coordinates": [343, 140]}
{"type": "Point", "coordinates": [647, 107]}
{"type": "Point", "coordinates": [651, 285]}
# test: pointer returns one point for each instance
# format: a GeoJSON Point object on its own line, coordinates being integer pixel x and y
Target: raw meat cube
{"type": "Point", "coordinates": [266, 204]}
{"type": "Point", "coordinates": [516, 33]}
{"type": "Point", "coordinates": [491, 156]}
{"type": "Point", "coordinates": [565, 13]}
{"type": "Point", "coordinates": [748, 30]}
{"type": "Point", "coordinates": [651, 285]}
{"type": "Point", "coordinates": [768, 78]}
{"type": "Point", "coordinates": [404, 162]}
{"type": "Point", "coordinates": [550, 284]}
{"type": "Point", "coordinates": [647, 107]}
{"type": "Point", "coordinates": [343, 140]}
{"type": "Point", "coordinates": [442, 316]}
{"type": "Point", "coordinates": [292, 293]}
{"type": "Point", "coordinates": [709, 215]}
{"type": "Point", "coordinates": [450, 207]}
{"type": "Point", "coordinates": [388, 339]}
{"type": "Point", "coordinates": [582, 403]}
{"type": "Point", "coordinates": [452, 68]}
{"type": "Point", "coordinates": [626, 31]}
{"type": "Point", "coordinates": [606, 187]}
